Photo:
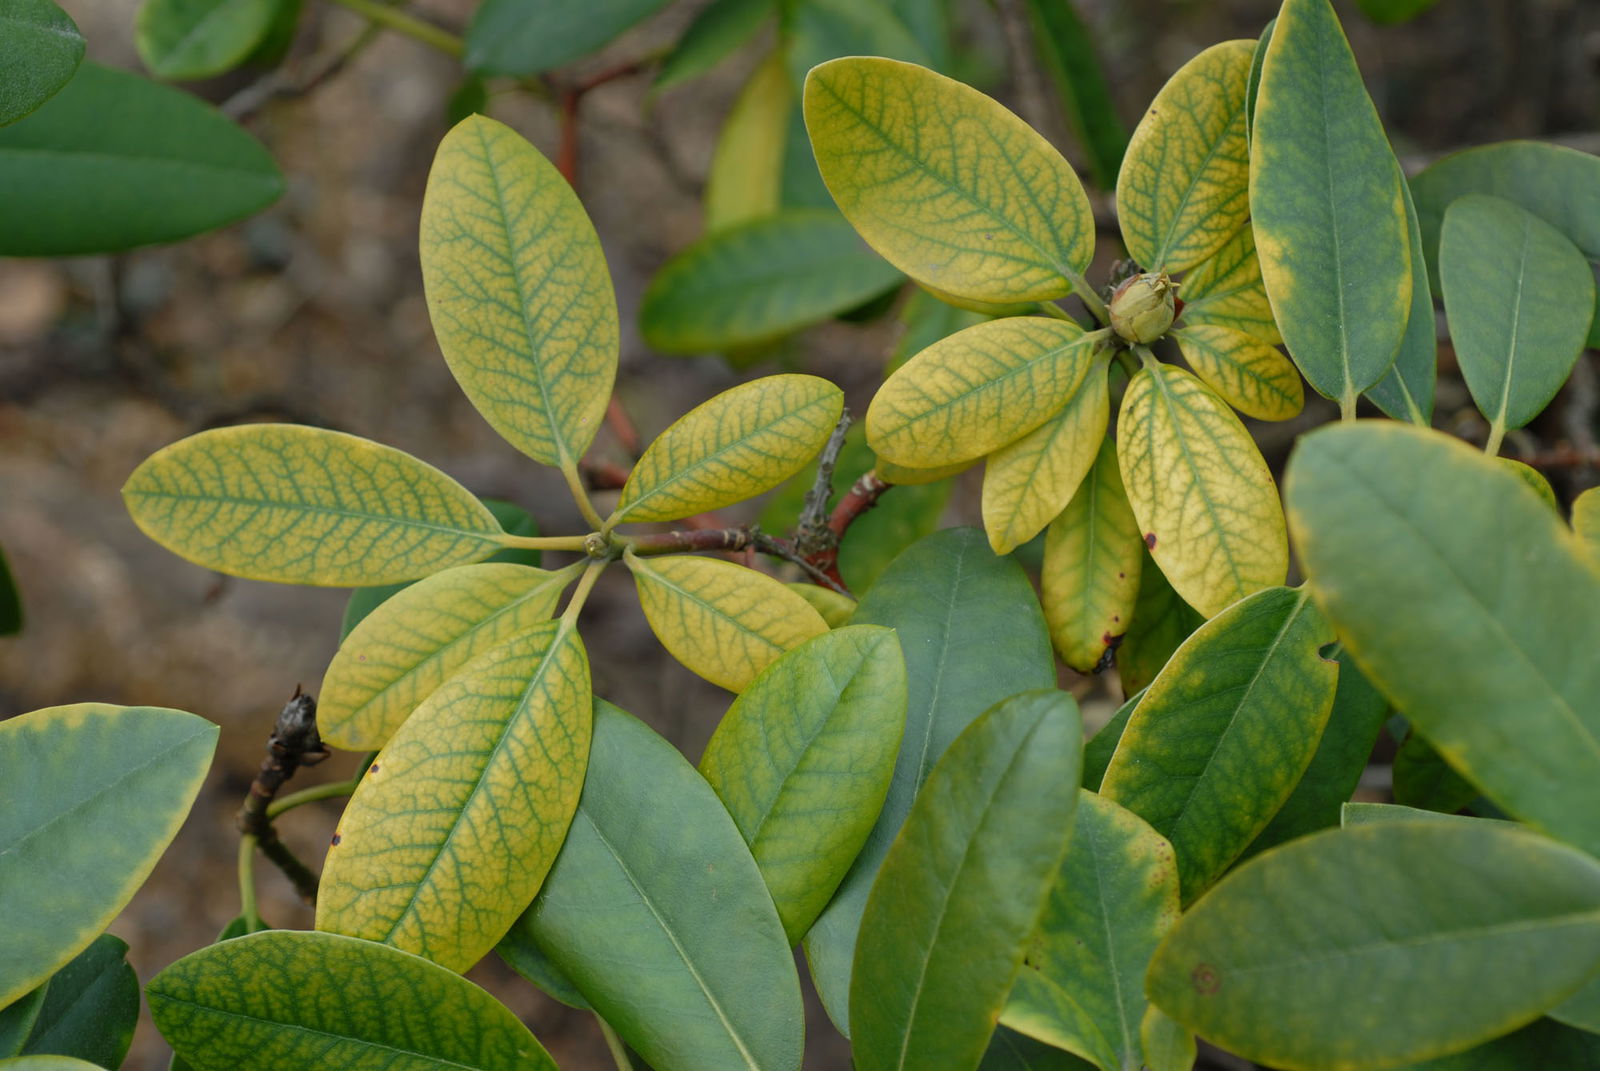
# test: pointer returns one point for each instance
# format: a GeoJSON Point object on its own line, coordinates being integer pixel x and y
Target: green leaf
{"type": "Point", "coordinates": [1226, 290]}
{"type": "Point", "coordinates": [756, 280]}
{"type": "Point", "coordinates": [1167, 1046]}
{"type": "Point", "coordinates": [963, 885]}
{"type": "Point", "coordinates": [723, 621]}
{"type": "Point", "coordinates": [950, 187]}
{"type": "Point", "coordinates": [1280, 961]}
{"type": "Point", "coordinates": [1424, 780]}
{"type": "Point", "coordinates": [1330, 223]}
{"type": "Point", "coordinates": [454, 826]}
{"type": "Point", "coordinates": [638, 912]}
{"type": "Point", "coordinates": [303, 505]}
{"type": "Point", "coordinates": [978, 390]}
{"type": "Point", "coordinates": [1202, 493]}
{"type": "Point", "coordinates": [1089, 584]}
{"type": "Point", "coordinates": [523, 954]}
{"type": "Point", "coordinates": [293, 999]}
{"type": "Point", "coordinates": [1011, 1051]}
{"type": "Point", "coordinates": [515, 37]}
{"type": "Point", "coordinates": [1586, 522]}
{"type": "Point", "coordinates": [1519, 298]}
{"type": "Point", "coordinates": [1356, 814]}
{"type": "Point", "coordinates": [1543, 1043]}
{"type": "Point", "coordinates": [518, 289]}
{"type": "Point", "coordinates": [189, 39]}
{"type": "Point", "coordinates": [1183, 191]}
{"type": "Point", "coordinates": [1067, 49]}
{"type": "Point", "coordinates": [972, 634]}
{"type": "Point", "coordinates": [39, 50]}
{"type": "Point", "coordinates": [90, 1006]}
{"type": "Point", "coordinates": [817, 31]}
{"type": "Point", "coordinates": [716, 32]}
{"type": "Point", "coordinates": [746, 178]}
{"type": "Point", "coordinates": [1100, 748]}
{"type": "Point", "coordinates": [1082, 983]}
{"type": "Point", "coordinates": [803, 759]}
{"type": "Point", "coordinates": [1254, 85]}
{"type": "Point", "coordinates": [740, 443]}
{"type": "Point", "coordinates": [1582, 1009]}
{"type": "Point", "coordinates": [10, 600]}
{"type": "Point", "coordinates": [416, 641]}
{"type": "Point", "coordinates": [114, 161]}
{"type": "Point", "coordinates": [835, 607]}
{"type": "Point", "coordinates": [1244, 371]}
{"type": "Point", "coordinates": [1406, 392]}
{"type": "Point", "coordinates": [47, 1063]}
{"type": "Point", "coordinates": [1161, 621]}
{"type": "Point", "coordinates": [1502, 611]}
{"type": "Point", "coordinates": [1392, 11]}
{"type": "Point", "coordinates": [96, 792]}
{"type": "Point", "coordinates": [1226, 731]}
{"type": "Point", "coordinates": [17, 1019]}
{"type": "Point", "coordinates": [1535, 480]}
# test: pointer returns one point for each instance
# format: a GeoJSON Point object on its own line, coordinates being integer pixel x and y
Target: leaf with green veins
{"type": "Point", "coordinates": [1406, 393]}
{"type": "Point", "coordinates": [821, 30]}
{"type": "Point", "coordinates": [978, 390]}
{"type": "Point", "coordinates": [746, 177]}
{"type": "Point", "coordinates": [114, 161]}
{"type": "Point", "coordinates": [803, 758]}
{"type": "Point", "coordinates": [302, 505]}
{"type": "Point", "coordinates": [508, 37]}
{"type": "Point", "coordinates": [1183, 190]}
{"type": "Point", "coordinates": [1535, 481]}
{"type": "Point", "coordinates": [1586, 521]}
{"type": "Point", "coordinates": [1325, 202]}
{"type": "Point", "coordinates": [1424, 780]}
{"type": "Point", "coordinates": [722, 621]}
{"type": "Point", "coordinates": [453, 827]}
{"type": "Point", "coordinates": [90, 1007]}
{"type": "Point", "coordinates": [1346, 744]}
{"type": "Point", "coordinates": [1203, 495]}
{"type": "Point", "coordinates": [835, 607]}
{"type": "Point", "coordinates": [716, 33]}
{"type": "Point", "coordinates": [1502, 610]}
{"type": "Point", "coordinates": [189, 39]}
{"type": "Point", "coordinates": [897, 146]}
{"type": "Point", "coordinates": [1244, 371]}
{"type": "Point", "coordinates": [1226, 290]}
{"type": "Point", "coordinates": [1066, 48]}
{"type": "Point", "coordinates": [518, 290]}
{"type": "Point", "coordinates": [416, 641]}
{"type": "Point", "coordinates": [1161, 621]}
{"type": "Point", "coordinates": [740, 443]}
{"type": "Point", "coordinates": [1011, 1051]}
{"type": "Point", "coordinates": [1224, 734]}
{"type": "Point", "coordinates": [1081, 986]}
{"type": "Point", "coordinates": [962, 888]}
{"type": "Point", "coordinates": [96, 792]}
{"type": "Point", "coordinates": [39, 51]}
{"type": "Point", "coordinates": [1406, 917]}
{"type": "Point", "coordinates": [972, 633]}
{"type": "Point", "coordinates": [1519, 298]}
{"type": "Point", "coordinates": [1090, 580]}
{"type": "Point", "coordinates": [757, 280]}
{"type": "Point", "coordinates": [639, 906]}
{"type": "Point", "coordinates": [1100, 748]}
{"type": "Point", "coordinates": [1028, 482]}
{"type": "Point", "coordinates": [287, 998]}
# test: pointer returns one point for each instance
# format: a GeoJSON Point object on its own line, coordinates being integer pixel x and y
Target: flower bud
{"type": "Point", "coordinates": [1143, 307]}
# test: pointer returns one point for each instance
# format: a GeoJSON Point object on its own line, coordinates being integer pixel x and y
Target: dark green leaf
{"type": "Point", "coordinates": [10, 600]}
{"type": "Point", "coordinates": [715, 33]}
{"type": "Point", "coordinates": [47, 1063]}
{"type": "Point", "coordinates": [40, 47]}
{"type": "Point", "coordinates": [929, 22]}
{"type": "Point", "coordinates": [1161, 621]}
{"type": "Point", "coordinates": [962, 887]}
{"type": "Point", "coordinates": [1406, 392]}
{"type": "Point", "coordinates": [1254, 83]}
{"type": "Point", "coordinates": [471, 97]}
{"type": "Point", "coordinates": [972, 633]}
{"type": "Point", "coordinates": [522, 37]}
{"type": "Point", "coordinates": [1362, 814]}
{"type": "Point", "coordinates": [1011, 1051]}
{"type": "Point", "coordinates": [802, 185]}
{"type": "Point", "coordinates": [1103, 744]}
{"type": "Point", "coordinates": [186, 39]}
{"type": "Point", "coordinates": [1392, 11]}
{"type": "Point", "coordinates": [821, 30]}
{"type": "Point", "coordinates": [17, 1019]}
{"type": "Point", "coordinates": [1423, 779]}
{"type": "Point", "coordinates": [90, 1006]}
{"type": "Point", "coordinates": [523, 955]}
{"type": "Point", "coordinates": [1067, 49]}
{"type": "Point", "coordinates": [1542, 1044]}
{"type": "Point", "coordinates": [113, 162]}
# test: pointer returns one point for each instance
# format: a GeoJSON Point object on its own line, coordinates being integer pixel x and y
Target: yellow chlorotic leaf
{"type": "Point", "coordinates": [518, 290]}
{"type": "Point", "coordinates": [746, 178]}
{"type": "Point", "coordinates": [721, 620]}
{"type": "Point", "coordinates": [1184, 185]}
{"type": "Point", "coordinates": [1028, 482]}
{"type": "Point", "coordinates": [1203, 495]}
{"type": "Point", "coordinates": [302, 505]}
{"type": "Point", "coordinates": [1226, 289]}
{"type": "Point", "coordinates": [413, 642]}
{"type": "Point", "coordinates": [1586, 521]}
{"type": "Point", "coordinates": [835, 608]}
{"type": "Point", "coordinates": [1250, 375]}
{"type": "Point", "coordinates": [1092, 555]}
{"type": "Point", "coordinates": [981, 388]}
{"type": "Point", "coordinates": [889, 472]}
{"type": "Point", "coordinates": [983, 308]}
{"type": "Point", "coordinates": [738, 444]}
{"type": "Point", "coordinates": [454, 826]}
{"type": "Point", "coordinates": [950, 187]}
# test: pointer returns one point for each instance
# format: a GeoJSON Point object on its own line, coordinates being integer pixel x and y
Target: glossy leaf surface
{"type": "Point", "coordinates": [746, 178]}
{"type": "Point", "coordinates": [287, 998]}
{"type": "Point", "coordinates": [188, 39]}
{"type": "Point", "coordinates": [518, 290]}
{"type": "Point", "coordinates": [1406, 392]}
{"type": "Point", "coordinates": [90, 1006]}
{"type": "Point", "coordinates": [301, 505]}
{"type": "Point", "coordinates": [1066, 48]}
{"type": "Point", "coordinates": [639, 907]}
{"type": "Point", "coordinates": [803, 759]}
{"type": "Point", "coordinates": [114, 161]}
{"type": "Point", "coordinates": [963, 885]}
{"type": "Point", "coordinates": [1203, 495]}
{"type": "Point", "coordinates": [1325, 202]}
{"type": "Point", "coordinates": [1503, 612]}
{"type": "Point", "coordinates": [513, 37]}
{"type": "Point", "coordinates": [1244, 371]}
{"type": "Point", "coordinates": [1226, 290]}
{"type": "Point", "coordinates": [1366, 947]}
{"type": "Point", "coordinates": [95, 793]}
{"type": "Point", "coordinates": [900, 149]}
{"type": "Point", "coordinates": [39, 50]}
{"type": "Point", "coordinates": [454, 826]}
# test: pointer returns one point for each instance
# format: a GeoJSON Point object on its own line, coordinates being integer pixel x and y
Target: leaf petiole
{"type": "Point", "coordinates": [619, 1051]}
{"type": "Point", "coordinates": [580, 495]}
{"type": "Point", "coordinates": [580, 594]}
{"type": "Point", "coordinates": [247, 883]}
{"type": "Point", "coordinates": [414, 28]}
{"type": "Point", "coordinates": [543, 542]}
{"type": "Point", "coordinates": [1091, 300]}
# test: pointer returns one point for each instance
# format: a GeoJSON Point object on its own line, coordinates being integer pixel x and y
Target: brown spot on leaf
{"type": "Point", "coordinates": [1150, 540]}
{"type": "Point", "coordinates": [1206, 980]}
{"type": "Point", "coordinates": [336, 838]}
{"type": "Point", "coordinates": [373, 768]}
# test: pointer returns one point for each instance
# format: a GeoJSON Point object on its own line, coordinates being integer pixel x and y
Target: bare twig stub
{"type": "Point", "coordinates": [294, 743]}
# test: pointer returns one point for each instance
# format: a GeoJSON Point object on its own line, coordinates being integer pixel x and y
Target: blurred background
{"type": "Point", "coordinates": [313, 312]}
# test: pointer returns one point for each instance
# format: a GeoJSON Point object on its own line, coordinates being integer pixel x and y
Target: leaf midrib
{"type": "Point", "coordinates": [304, 507]}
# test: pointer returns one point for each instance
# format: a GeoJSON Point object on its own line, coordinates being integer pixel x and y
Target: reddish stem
{"type": "Point", "coordinates": [861, 497]}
